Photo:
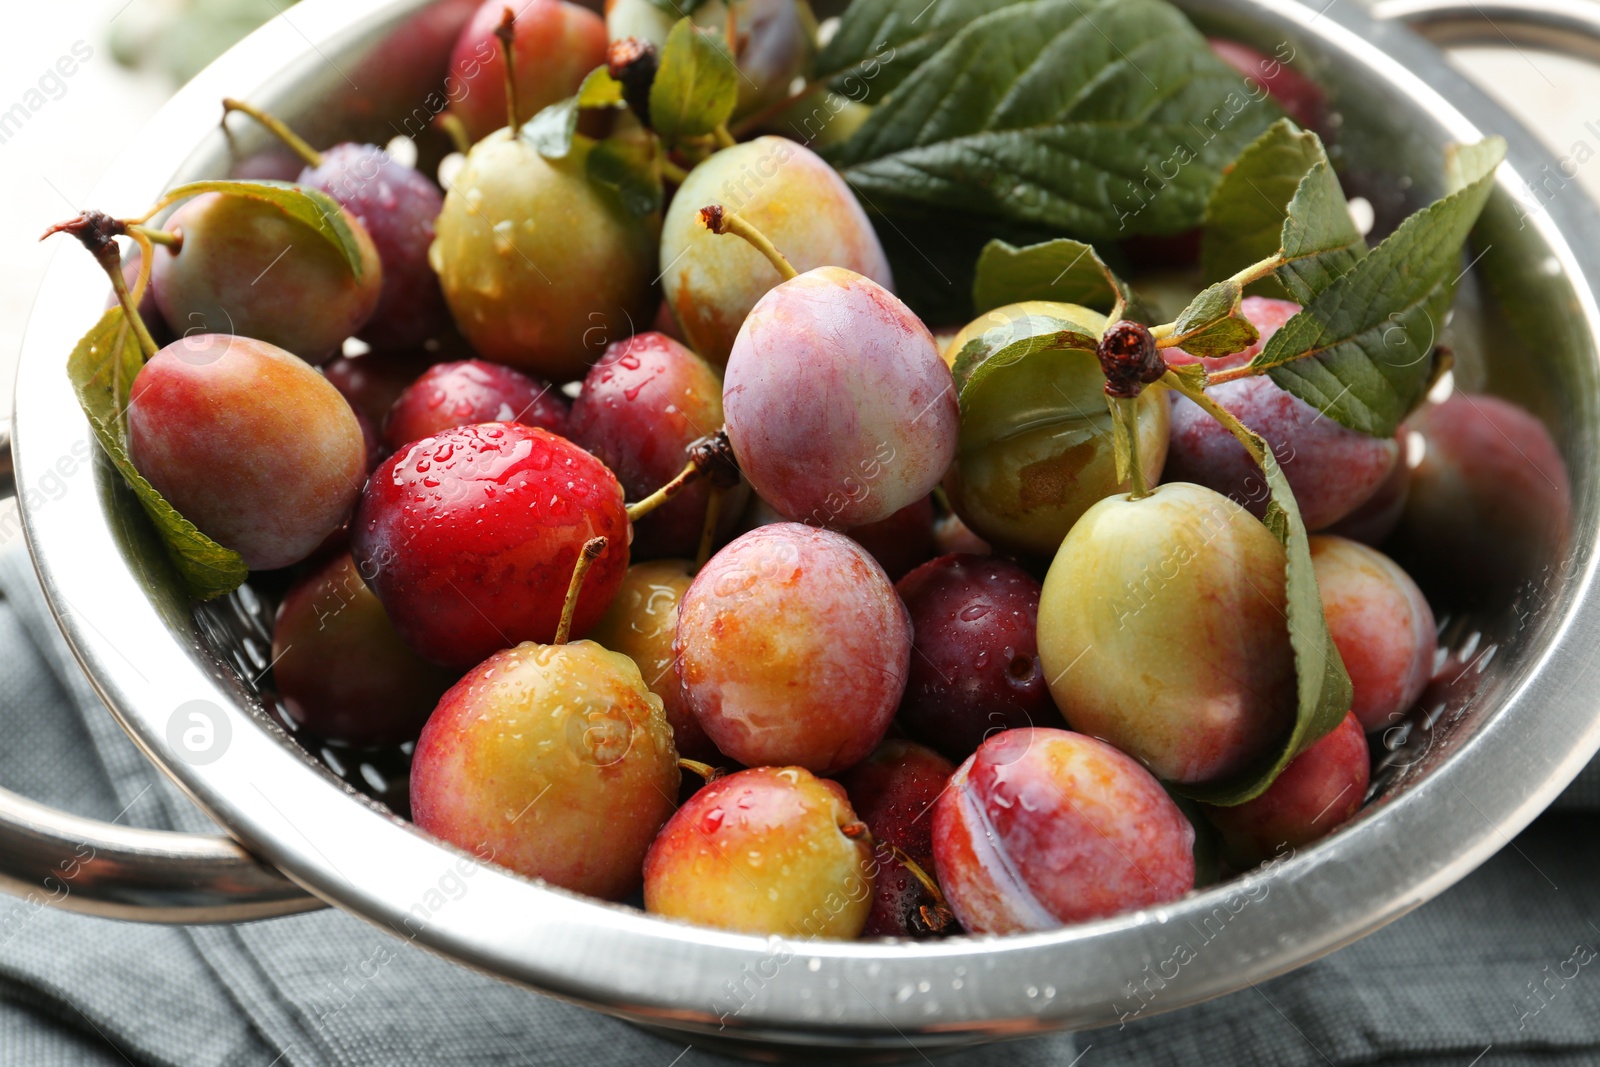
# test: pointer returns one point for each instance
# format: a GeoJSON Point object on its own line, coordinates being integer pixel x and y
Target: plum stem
{"type": "Point", "coordinates": [277, 127]}
{"type": "Point", "coordinates": [98, 232]}
{"type": "Point", "coordinates": [172, 239]}
{"type": "Point", "coordinates": [858, 831]}
{"type": "Point", "coordinates": [1230, 422]}
{"type": "Point", "coordinates": [691, 472]}
{"type": "Point", "coordinates": [1166, 334]}
{"type": "Point", "coordinates": [708, 532]}
{"type": "Point", "coordinates": [505, 32]}
{"type": "Point", "coordinates": [724, 138]}
{"type": "Point", "coordinates": [591, 551]}
{"type": "Point", "coordinates": [455, 129]}
{"type": "Point", "coordinates": [706, 771]}
{"type": "Point", "coordinates": [709, 457]}
{"type": "Point", "coordinates": [719, 219]}
{"type": "Point", "coordinates": [672, 172]}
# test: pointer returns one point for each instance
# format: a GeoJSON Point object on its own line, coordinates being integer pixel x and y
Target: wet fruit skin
{"type": "Point", "coordinates": [1381, 624]}
{"type": "Point", "coordinates": [247, 268]}
{"type": "Point", "coordinates": [504, 256]}
{"type": "Point", "coordinates": [1021, 485]}
{"type": "Point", "coordinates": [554, 43]}
{"type": "Point", "coordinates": [902, 541]}
{"type": "Point", "coordinates": [470, 391]}
{"type": "Point", "coordinates": [773, 46]}
{"type": "Point", "coordinates": [1490, 502]}
{"type": "Point", "coordinates": [643, 403]}
{"type": "Point", "coordinates": [341, 669]}
{"type": "Point", "coordinates": [397, 205]}
{"type": "Point", "coordinates": [763, 851]}
{"type": "Point", "coordinates": [974, 665]}
{"type": "Point", "coordinates": [1318, 791]}
{"type": "Point", "coordinates": [640, 624]}
{"type": "Point", "coordinates": [893, 791]}
{"type": "Point", "coordinates": [552, 760]}
{"type": "Point", "coordinates": [372, 383]}
{"type": "Point", "coordinates": [793, 649]}
{"type": "Point", "coordinates": [470, 537]}
{"type": "Point", "coordinates": [837, 403]}
{"type": "Point", "coordinates": [1041, 828]}
{"type": "Point", "coordinates": [1190, 586]}
{"type": "Point", "coordinates": [249, 443]}
{"type": "Point", "coordinates": [787, 192]}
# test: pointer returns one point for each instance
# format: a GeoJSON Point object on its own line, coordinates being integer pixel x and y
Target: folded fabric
{"type": "Point", "coordinates": [1501, 967]}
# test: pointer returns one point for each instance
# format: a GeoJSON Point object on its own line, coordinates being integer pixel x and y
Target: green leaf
{"type": "Point", "coordinates": [550, 132]}
{"type": "Point", "coordinates": [1323, 690]}
{"type": "Point", "coordinates": [102, 368]}
{"type": "Point", "coordinates": [313, 207]}
{"type": "Point", "coordinates": [1211, 325]}
{"type": "Point", "coordinates": [680, 8]}
{"type": "Point", "coordinates": [880, 42]}
{"type": "Point", "coordinates": [1100, 118]}
{"type": "Point", "coordinates": [1362, 350]}
{"type": "Point", "coordinates": [1066, 271]}
{"type": "Point", "coordinates": [1009, 379]}
{"type": "Point", "coordinates": [1320, 241]}
{"type": "Point", "coordinates": [696, 86]}
{"type": "Point", "coordinates": [628, 165]}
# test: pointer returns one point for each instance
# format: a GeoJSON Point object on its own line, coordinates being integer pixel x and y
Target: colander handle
{"type": "Point", "coordinates": [1568, 26]}
{"type": "Point", "coordinates": [48, 857]}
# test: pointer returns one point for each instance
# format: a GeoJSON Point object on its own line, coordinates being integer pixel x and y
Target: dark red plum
{"type": "Point", "coordinates": [893, 791]}
{"type": "Point", "coordinates": [372, 383]}
{"type": "Point", "coordinates": [975, 656]}
{"type": "Point", "coordinates": [902, 541]}
{"type": "Point", "coordinates": [471, 536]}
{"type": "Point", "coordinates": [341, 668]}
{"type": "Point", "coordinates": [645, 401]}
{"type": "Point", "coordinates": [471, 391]}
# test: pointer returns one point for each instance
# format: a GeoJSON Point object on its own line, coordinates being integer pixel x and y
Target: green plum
{"type": "Point", "coordinates": [789, 194]}
{"type": "Point", "coordinates": [1161, 630]}
{"type": "Point", "coordinates": [1035, 450]}
{"type": "Point", "coordinates": [541, 267]}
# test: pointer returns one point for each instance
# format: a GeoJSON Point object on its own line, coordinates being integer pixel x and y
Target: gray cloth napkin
{"type": "Point", "coordinates": [1503, 969]}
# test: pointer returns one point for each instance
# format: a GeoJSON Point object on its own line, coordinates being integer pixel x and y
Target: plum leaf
{"type": "Point", "coordinates": [550, 132]}
{"type": "Point", "coordinates": [1211, 325]}
{"type": "Point", "coordinates": [1322, 684]}
{"type": "Point", "coordinates": [1362, 350]}
{"type": "Point", "coordinates": [1065, 271]}
{"type": "Point", "coordinates": [696, 86]}
{"type": "Point", "coordinates": [1009, 378]}
{"type": "Point", "coordinates": [313, 207]}
{"type": "Point", "coordinates": [628, 165]}
{"type": "Point", "coordinates": [880, 42]}
{"type": "Point", "coordinates": [1100, 118]}
{"type": "Point", "coordinates": [102, 368]}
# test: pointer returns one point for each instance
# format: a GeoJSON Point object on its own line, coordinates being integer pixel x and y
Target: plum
{"type": "Point", "coordinates": [902, 541]}
{"type": "Point", "coordinates": [470, 536]}
{"type": "Point", "coordinates": [554, 761]}
{"type": "Point", "coordinates": [951, 535]}
{"type": "Point", "coordinates": [1318, 791]}
{"type": "Point", "coordinates": [773, 43]}
{"type": "Point", "coordinates": [1190, 587]}
{"type": "Point", "coordinates": [1040, 828]}
{"type": "Point", "coordinates": [711, 283]}
{"type": "Point", "coordinates": [1490, 501]}
{"type": "Point", "coordinates": [249, 443]}
{"type": "Point", "coordinates": [343, 672]}
{"type": "Point", "coordinates": [643, 404]}
{"type": "Point", "coordinates": [764, 851]}
{"type": "Point", "coordinates": [1299, 96]}
{"type": "Point", "coordinates": [793, 649]}
{"type": "Point", "coordinates": [1266, 314]}
{"type": "Point", "coordinates": [504, 252]}
{"type": "Point", "coordinates": [975, 670]}
{"type": "Point", "coordinates": [1375, 520]}
{"type": "Point", "coordinates": [837, 403]}
{"type": "Point", "coordinates": [893, 791]}
{"type": "Point", "coordinates": [1020, 480]}
{"type": "Point", "coordinates": [469, 391]}
{"type": "Point", "coordinates": [554, 44]}
{"type": "Point", "coordinates": [372, 383]}
{"type": "Point", "coordinates": [247, 268]}
{"type": "Point", "coordinates": [1381, 624]}
{"type": "Point", "coordinates": [641, 623]}
{"type": "Point", "coordinates": [397, 205]}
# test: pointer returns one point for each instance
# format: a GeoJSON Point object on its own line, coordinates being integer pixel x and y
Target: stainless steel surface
{"type": "Point", "coordinates": [1571, 26]}
{"type": "Point", "coordinates": [1512, 731]}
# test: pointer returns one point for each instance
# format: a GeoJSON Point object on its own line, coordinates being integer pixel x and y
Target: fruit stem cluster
{"type": "Point", "coordinates": [633, 63]}
{"type": "Point", "coordinates": [277, 127]}
{"type": "Point", "coordinates": [97, 232]}
{"type": "Point", "coordinates": [937, 917]}
{"type": "Point", "coordinates": [709, 457]}
{"type": "Point", "coordinates": [719, 219]}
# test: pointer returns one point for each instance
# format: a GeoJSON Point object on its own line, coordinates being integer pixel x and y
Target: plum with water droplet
{"type": "Point", "coordinates": [470, 537]}
{"type": "Point", "coordinates": [893, 791]}
{"type": "Point", "coordinates": [554, 761]}
{"type": "Point", "coordinates": [470, 391]}
{"type": "Point", "coordinates": [249, 443]}
{"type": "Point", "coordinates": [1040, 828]}
{"type": "Point", "coordinates": [764, 851]}
{"type": "Point", "coordinates": [554, 44]}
